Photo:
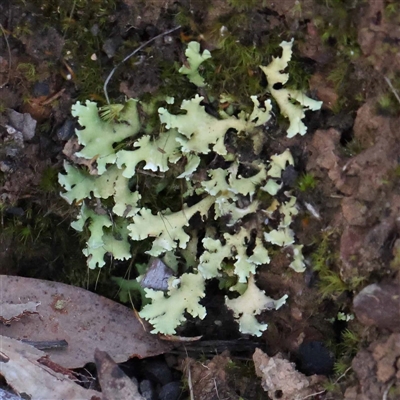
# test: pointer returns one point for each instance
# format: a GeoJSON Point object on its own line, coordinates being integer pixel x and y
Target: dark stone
{"type": "Point", "coordinates": [111, 45]}
{"type": "Point", "coordinates": [66, 130]}
{"type": "Point", "coordinates": [148, 390]}
{"type": "Point", "coordinates": [315, 358]}
{"type": "Point", "coordinates": [170, 391]}
{"type": "Point", "coordinates": [157, 371]}
{"type": "Point", "coordinates": [41, 89]}
{"type": "Point", "coordinates": [379, 305]}
{"type": "Point", "coordinates": [289, 176]}
{"type": "Point", "coordinates": [16, 211]}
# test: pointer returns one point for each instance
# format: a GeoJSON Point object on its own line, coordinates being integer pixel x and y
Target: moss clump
{"type": "Point", "coordinates": [306, 182]}
{"type": "Point", "coordinates": [335, 21]}
{"type": "Point", "coordinates": [27, 71]}
{"type": "Point", "coordinates": [84, 26]}
{"type": "Point", "coordinates": [325, 264]}
{"type": "Point", "coordinates": [245, 5]}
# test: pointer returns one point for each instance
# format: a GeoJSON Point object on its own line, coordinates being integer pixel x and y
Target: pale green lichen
{"type": "Point", "coordinates": [194, 60]}
{"type": "Point", "coordinates": [166, 312]}
{"type": "Point", "coordinates": [251, 303]}
{"type": "Point", "coordinates": [179, 151]}
{"type": "Point", "coordinates": [284, 97]}
{"type": "Point", "coordinates": [99, 136]}
{"type": "Point", "coordinates": [166, 227]}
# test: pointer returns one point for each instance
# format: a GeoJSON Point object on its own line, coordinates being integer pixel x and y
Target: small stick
{"type": "Point", "coordinates": [47, 344]}
{"type": "Point", "coordinates": [394, 91]}
{"type": "Point", "coordinates": [130, 55]}
{"type": "Point", "coordinates": [323, 391]}
{"type": "Point", "coordinates": [9, 56]}
{"type": "Point", "coordinates": [53, 97]}
{"type": "Point", "coordinates": [386, 392]}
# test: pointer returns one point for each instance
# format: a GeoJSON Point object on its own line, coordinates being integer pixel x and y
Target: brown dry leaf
{"type": "Point", "coordinates": [25, 374]}
{"type": "Point", "coordinates": [281, 379]}
{"type": "Point", "coordinates": [115, 385]}
{"type": "Point", "coordinates": [71, 147]}
{"type": "Point", "coordinates": [14, 312]}
{"type": "Point", "coordinates": [85, 320]}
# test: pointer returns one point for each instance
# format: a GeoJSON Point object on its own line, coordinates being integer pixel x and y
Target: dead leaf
{"type": "Point", "coordinates": [281, 379]}
{"type": "Point", "coordinates": [115, 385]}
{"type": "Point", "coordinates": [25, 374]}
{"type": "Point", "coordinates": [85, 320]}
{"type": "Point", "coordinates": [14, 312]}
{"type": "Point", "coordinates": [71, 147]}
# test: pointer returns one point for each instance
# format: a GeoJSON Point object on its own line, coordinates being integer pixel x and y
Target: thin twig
{"type": "Point", "coordinates": [9, 57]}
{"type": "Point", "coordinates": [53, 97]}
{"type": "Point", "coordinates": [386, 392]}
{"type": "Point", "coordinates": [313, 394]}
{"type": "Point", "coordinates": [130, 55]}
{"type": "Point", "coordinates": [394, 91]}
{"type": "Point", "coordinates": [189, 376]}
{"type": "Point", "coordinates": [70, 17]}
{"type": "Point", "coordinates": [323, 391]}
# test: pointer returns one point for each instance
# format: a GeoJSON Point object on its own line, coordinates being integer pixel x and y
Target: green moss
{"type": "Point", "coordinates": [28, 71]}
{"type": "Point", "coordinates": [335, 21]}
{"type": "Point", "coordinates": [245, 5]}
{"type": "Point", "coordinates": [323, 260]}
{"type": "Point", "coordinates": [339, 74]}
{"type": "Point", "coordinates": [387, 104]}
{"type": "Point", "coordinates": [49, 180]}
{"type": "Point", "coordinates": [306, 182]}
{"type": "Point", "coordinates": [234, 69]}
{"type": "Point", "coordinates": [391, 10]}
{"type": "Point", "coordinates": [172, 79]}
{"type": "Point", "coordinates": [354, 147]}
{"type": "Point", "coordinates": [74, 19]}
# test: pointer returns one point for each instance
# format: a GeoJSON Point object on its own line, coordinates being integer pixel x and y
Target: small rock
{"type": "Point", "coordinates": [289, 176]}
{"type": "Point", "coordinates": [67, 129]}
{"type": "Point", "coordinates": [157, 371]}
{"type": "Point", "coordinates": [16, 211]}
{"type": "Point", "coordinates": [157, 275]}
{"type": "Point", "coordinates": [111, 45]}
{"type": "Point", "coordinates": [6, 166]}
{"type": "Point", "coordinates": [94, 30]}
{"type": "Point", "coordinates": [315, 358]}
{"type": "Point", "coordinates": [171, 360]}
{"type": "Point", "coordinates": [170, 391]}
{"type": "Point", "coordinates": [23, 123]}
{"type": "Point", "coordinates": [379, 305]}
{"type": "Point", "coordinates": [147, 390]}
{"type": "Point", "coordinates": [41, 89]}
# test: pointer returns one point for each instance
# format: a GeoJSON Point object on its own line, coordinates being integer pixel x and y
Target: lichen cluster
{"type": "Point", "coordinates": [220, 196]}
